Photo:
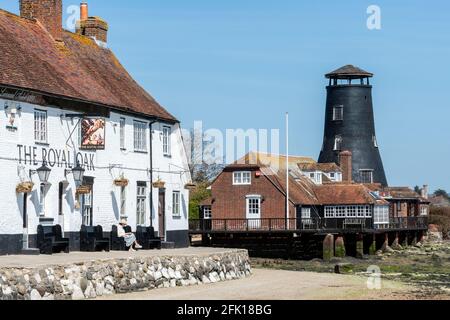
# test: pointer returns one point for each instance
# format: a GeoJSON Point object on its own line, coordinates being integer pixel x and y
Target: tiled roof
{"type": "Point", "coordinates": [302, 190]}
{"type": "Point", "coordinates": [401, 192]}
{"type": "Point", "coordinates": [349, 71]}
{"type": "Point", "coordinates": [324, 167]}
{"type": "Point", "coordinates": [345, 194]}
{"type": "Point", "coordinates": [273, 160]}
{"type": "Point", "coordinates": [77, 69]}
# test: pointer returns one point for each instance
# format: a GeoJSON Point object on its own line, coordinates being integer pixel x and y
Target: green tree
{"type": "Point", "coordinates": [441, 192]}
{"type": "Point", "coordinates": [198, 194]}
{"type": "Point", "coordinates": [417, 189]}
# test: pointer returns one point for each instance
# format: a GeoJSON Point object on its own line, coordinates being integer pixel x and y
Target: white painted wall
{"type": "Point", "coordinates": [135, 167]}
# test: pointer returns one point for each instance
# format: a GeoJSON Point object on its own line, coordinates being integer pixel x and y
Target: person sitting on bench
{"type": "Point", "coordinates": [130, 238]}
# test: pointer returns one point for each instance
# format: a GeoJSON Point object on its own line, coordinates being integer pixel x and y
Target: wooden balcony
{"type": "Point", "coordinates": [304, 225]}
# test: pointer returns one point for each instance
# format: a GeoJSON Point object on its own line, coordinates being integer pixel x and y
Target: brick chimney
{"type": "Point", "coordinates": [47, 12]}
{"type": "Point", "coordinates": [346, 165]}
{"type": "Point", "coordinates": [93, 27]}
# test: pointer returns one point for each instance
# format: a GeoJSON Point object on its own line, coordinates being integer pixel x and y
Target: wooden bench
{"type": "Point", "coordinates": [50, 240]}
{"type": "Point", "coordinates": [353, 223]}
{"type": "Point", "coordinates": [92, 239]}
{"type": "Point", "coordinates": [146, 238]}
{"type": "Point", "coordinates": [118, 243]}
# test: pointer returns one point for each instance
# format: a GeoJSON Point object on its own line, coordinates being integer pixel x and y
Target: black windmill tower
{"type": "Point", "coordinates": [350, 125]}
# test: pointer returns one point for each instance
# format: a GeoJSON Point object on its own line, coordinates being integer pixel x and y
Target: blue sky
{"type": "Point", "coordinates": [243, 63]}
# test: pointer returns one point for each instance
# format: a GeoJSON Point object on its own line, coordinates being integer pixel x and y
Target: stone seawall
{"type": "Point", "coordinates": [87, 280]}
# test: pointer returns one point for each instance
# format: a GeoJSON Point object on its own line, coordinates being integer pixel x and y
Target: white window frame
{"type": "Point", "coordinates": [338, 113]}
{"type": "Point", "coordinates": [86, 204]}
{"type": "Point", "coordinates": [140, 136]}
{"type": "Point", "coordinates": [242, 178]}
{"type": "Point", "coordinates": [350, 211]}
{"type": "Point", "coordinates": [166, 136]}
{"type": "Point", "coordinates": [365, 171]}
{"type": "Point", "coordinates": [207, 212]}
{"type": "Point", "coordinates": [176, 203]}
{"type": "Point", "coordinates": [253, 206]}
{"type": "Point", "coordinates": [122, 126]}
{"type": "Point", "coordinates": [424, 211]}
{"type": "Point", "coordinates": [141, 203]}
{"type": "Point", "coordinates": [338, 143]}
{"type": "Point", "coordinates": [306, 213]}
{"type": "Point", "coordinates": [381, 215]}
{"type": "Point", "coordinates": [40, 126]}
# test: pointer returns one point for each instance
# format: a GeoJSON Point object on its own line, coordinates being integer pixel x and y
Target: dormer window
{"type": "Point", "coordinates": [242, 178]}
{"type": "Point", "coordinates": [338, 113]}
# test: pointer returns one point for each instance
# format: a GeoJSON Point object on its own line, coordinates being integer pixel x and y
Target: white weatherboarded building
{"type": "Point", "coordinates": [66, 100]}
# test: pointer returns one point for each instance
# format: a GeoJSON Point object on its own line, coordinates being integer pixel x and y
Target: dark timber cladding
{"type": "Point", "coordinates": [350, 125]}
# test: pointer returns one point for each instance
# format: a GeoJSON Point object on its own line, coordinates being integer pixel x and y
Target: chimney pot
{"type": "Point", "coordinates": [84, 11]}
{"type": "Point", "coordinates": [93, 27]}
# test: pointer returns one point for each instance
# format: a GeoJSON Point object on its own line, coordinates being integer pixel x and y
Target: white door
{"type": "Point", "coordinates": [254, 212]}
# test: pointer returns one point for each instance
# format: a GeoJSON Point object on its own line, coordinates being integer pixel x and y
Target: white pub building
{"type": "Point", "coordinates": [81, 143]}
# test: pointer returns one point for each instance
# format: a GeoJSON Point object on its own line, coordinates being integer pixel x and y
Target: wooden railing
{"type": "Point", "coordinates": [313, 224]}
{"type": "Point", "coordinates": [405, 223]}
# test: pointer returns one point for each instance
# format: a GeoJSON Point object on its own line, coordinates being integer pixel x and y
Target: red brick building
{"type": "Point", "coordinates": [254, 188]}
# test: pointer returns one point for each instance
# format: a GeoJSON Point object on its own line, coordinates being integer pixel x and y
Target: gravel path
{"type": "Point", "coordinates": [278, 285]}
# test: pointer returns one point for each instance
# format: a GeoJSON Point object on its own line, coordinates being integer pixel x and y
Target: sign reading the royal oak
{"type": "Point", "coordinates": [34, 156]}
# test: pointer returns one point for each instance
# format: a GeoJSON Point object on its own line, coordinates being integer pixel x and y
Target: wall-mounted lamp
{"type": "Point", "coordinates": [43, 172]}
{"type": "Point", "coordinates": [78, 173]}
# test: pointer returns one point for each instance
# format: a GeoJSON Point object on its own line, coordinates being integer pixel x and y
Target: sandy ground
{"type": "Point", "coordinates": [278, 285]}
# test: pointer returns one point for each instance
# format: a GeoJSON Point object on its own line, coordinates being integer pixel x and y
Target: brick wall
{"type": "Point", "coordinates": [48, 12]}
{"type": "Point", "coordinates": [94, 27]}
{"type": "Point", "coordinates": [230, 200]}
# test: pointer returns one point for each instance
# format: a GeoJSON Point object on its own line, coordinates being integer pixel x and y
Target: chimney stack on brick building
{"type": "Point", "coordinates": [346, 166]}
{"type": "Point", "coordinates": [424, 192]}
{"type": "Point", "coordinates": [93, 27]}
{"type": "Point", "coordinates": [47, 12]}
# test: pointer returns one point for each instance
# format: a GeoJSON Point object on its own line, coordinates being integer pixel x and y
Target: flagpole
{"type": "Point", "coordinates": [287, 168]}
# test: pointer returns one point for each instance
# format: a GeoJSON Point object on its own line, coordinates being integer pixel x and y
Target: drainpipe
{"type": "Point", "coordinates": [151, 171]}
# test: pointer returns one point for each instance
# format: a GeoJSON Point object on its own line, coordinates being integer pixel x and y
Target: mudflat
{"type": "Point", "coordinates": [267, 284]}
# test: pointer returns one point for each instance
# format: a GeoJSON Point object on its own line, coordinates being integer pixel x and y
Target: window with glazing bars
{"type": "Point", "coordinates": [140, 136]}
{"type": "Point", "coordinates": [254, 206]}
{"type": "Point", "coordinates": [141, 199]}
{"type": "Point", "coordinates": [40, 126]}
{"type": "Point", "coordinates": [176, 203]}
{"type": "Point", "coordinates": [122, 133]}
{"type": "Point", "coordinates": [166, 140]}
{"type": "Point", "coordinates": [338, 113]}
{"type": "Point", "coordinates": [366, 176]}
